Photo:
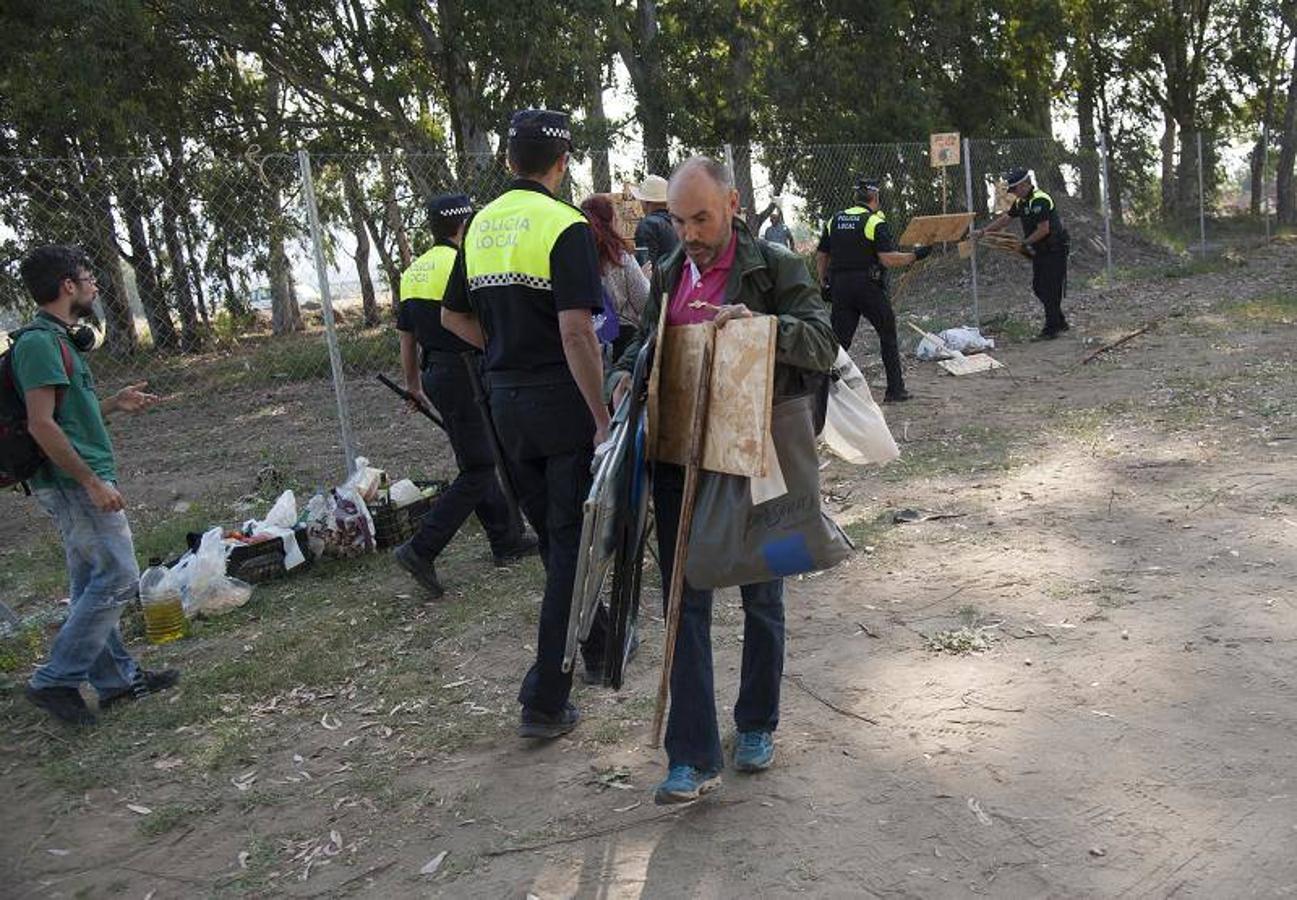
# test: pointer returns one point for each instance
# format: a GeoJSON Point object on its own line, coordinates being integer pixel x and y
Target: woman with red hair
{"type": "Point", "coordinates": [623, 280]}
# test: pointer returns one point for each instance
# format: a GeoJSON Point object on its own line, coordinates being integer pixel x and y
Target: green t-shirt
{"type": "Point", "coordinates": [38, 362]}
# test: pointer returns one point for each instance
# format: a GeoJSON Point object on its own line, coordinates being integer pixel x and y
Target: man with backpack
{"type": "Point", "coordinates": [45, 370]}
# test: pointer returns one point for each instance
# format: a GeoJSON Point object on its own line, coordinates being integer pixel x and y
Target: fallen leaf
{"type": "Point", "coordinates": [244, 856]}
{"type": "Point", "coordinates": [329, 722]}
{"type": "Point", "coordinates": [169, 762]}
{"type": "Point", "coordinates": [622, 809]}
{"type": "Point", "coordinates": [53, 851]}
{"type": "Point", "coordinates": [432, 865]}
{"type": "Point", "coordinates": [136, 808]}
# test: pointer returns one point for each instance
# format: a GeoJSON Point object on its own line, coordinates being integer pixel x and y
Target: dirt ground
{"type": "Point", "coordinates": [1076, 683]}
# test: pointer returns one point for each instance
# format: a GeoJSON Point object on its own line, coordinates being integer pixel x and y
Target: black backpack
{"type": "Point", "coordinates": [20, 456]}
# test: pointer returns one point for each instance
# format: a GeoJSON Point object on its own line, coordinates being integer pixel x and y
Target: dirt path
{"type": "Point", "coordinates": [1123, 551]}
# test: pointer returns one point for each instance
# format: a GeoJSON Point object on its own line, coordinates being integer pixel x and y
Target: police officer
{"type": "Point", "coordinates": [1044, 240]}
{"type": "Point", "coordinates": [854, 254]}
{"type": "Point", "coordinates": [435, 370]}
{"type": "Point", "coordinates": [526, 288]}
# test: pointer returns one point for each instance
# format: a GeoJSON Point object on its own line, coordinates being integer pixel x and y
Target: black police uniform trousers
{"type": "Point", "coordinates": [1049, 284]}
{"type": "Point", "coordinates": [547, 434]}
{"type": "Point", "coordinates": [856, 294]}
{"type": "Point", "coordinates": [475, 489]}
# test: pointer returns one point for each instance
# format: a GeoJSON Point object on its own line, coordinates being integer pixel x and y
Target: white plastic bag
{"type": "Point", "coordinates": [364, 480]}
{"type": "Point", "coordinates": [207, 590]}
{"type": "Point", "coordinates": [966, 340]}
{"type": "Point", "coordinates": [280, 523]}
{"type": "Point", "coordinates": [854, 427]}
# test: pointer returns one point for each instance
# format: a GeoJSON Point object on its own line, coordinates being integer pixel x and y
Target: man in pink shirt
{"type": "Point", "coordinates": [721, 272]}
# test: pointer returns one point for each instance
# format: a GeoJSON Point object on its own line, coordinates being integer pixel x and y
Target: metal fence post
{"type": "Point", "coordinates": [1107, 204]}
{"type": "Point", "coordinates": [729, 160]}
{"type": "Point", "coordinates": [1202, 204]}
{"type": "Point", "coordinates": [326, 305]}
{"type": "Point", "coordinates": [1265, 161]}
{"type": "Point", "coordinates": [968, 195]}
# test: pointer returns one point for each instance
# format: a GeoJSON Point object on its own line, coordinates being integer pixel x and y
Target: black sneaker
{"type": "Point", "coordinates": [63, 703]}
{"type": "Point", "coordinates": [1047, 334]}
{"type": "Point", "coordinates": [899, 396]}
{"type": "Point", "coordinates": [422, 570]}
{"type": "Point", "coordinates": [145, 683]}
{"type": "Point", "coordinates": [523, 547]}
{"type": "Point", "coordinates": [544, 726]}
{"type": "Point", "coordinates": [1064, 327]}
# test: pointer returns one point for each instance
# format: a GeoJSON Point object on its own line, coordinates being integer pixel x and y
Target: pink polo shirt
{"type": "Point", "coordinates": [708, 287]}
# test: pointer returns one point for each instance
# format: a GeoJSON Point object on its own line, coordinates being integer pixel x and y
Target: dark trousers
{"type": "Point", "coordinates": [547, 434]}
{"type": "Point", "coordinates": [693, 737]}
{"type": "Point", "coordinates": [855, 294]}
{"type": "Point", "coordinates": [1049, 284]}
{"type": "Point", "coordinates": [475, 489]}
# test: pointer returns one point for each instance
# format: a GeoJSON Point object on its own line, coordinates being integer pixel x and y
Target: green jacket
{"type": "Point", "coordinates": [768, 279]}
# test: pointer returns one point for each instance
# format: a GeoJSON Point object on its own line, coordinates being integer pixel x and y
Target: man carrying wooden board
{"type": "Point", "coordinates": [855, 252]}
{"type": "Point", "coordinates": [722, 272]}
{"type": "Point", "coordinates": [1044, 240]}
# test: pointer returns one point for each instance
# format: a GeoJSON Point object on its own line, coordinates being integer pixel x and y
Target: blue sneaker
{"type": "Point", "coordinates": [685, 784]}
{"type": "Point", "coordinates": [754, 751]}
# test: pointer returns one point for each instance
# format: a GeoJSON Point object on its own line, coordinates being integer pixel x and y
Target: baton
{"type": "Point", "coordinates": [501, 467]}
{"type": "Point", "coordinates": [409, 398]}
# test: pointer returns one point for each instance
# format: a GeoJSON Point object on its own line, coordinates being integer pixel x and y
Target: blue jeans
{"type": "Point", "coordinates": [693, 736]}
{"type": "Point", "coordinates": [104, 578]}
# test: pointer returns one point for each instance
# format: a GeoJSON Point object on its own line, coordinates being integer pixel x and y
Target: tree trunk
{"type": "Point", "coordinates": [351, 190]}
{"type": "Point", "coordinates": [285, 314]}
{"type": "Point", "coordinates": [190, 339]}
{"type": "Point", "coordinates": [152, 298]}
{"type": "Point", "coordinates": [1089, 162]}
{"type": "Point", "coordinates": [597, 124]}
{"type": "Point", "coordinates": [390, 269]}
{"type": "Point", "coordinates": [1168, 165]}
{"type": "Point", "coordinates": [195, 270]}
{"type": "Point", "coordinates": [442, 46]}
{"type": "Point", "coordinates": [119, 323]}
{"type": "Point", "coordinates": [392, 213]}
{"type": "Point", "coordinates": [641, 54]}
{"type": "Point", "coordinates": [234, 301]}
{"type": "Point", "coordinates": [740, 104]}
{"type": "Point", "coordinates": [1286, 205]}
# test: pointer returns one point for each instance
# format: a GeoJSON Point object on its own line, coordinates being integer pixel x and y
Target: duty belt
{"type": "Point", "coordinates": [442, 357]}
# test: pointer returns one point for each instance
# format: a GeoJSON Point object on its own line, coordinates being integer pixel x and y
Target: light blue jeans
{"type": "Point", "coordinates": [104, 578]}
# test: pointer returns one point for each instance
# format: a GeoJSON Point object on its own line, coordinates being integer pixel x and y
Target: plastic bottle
{"type": "Point", "coordinates": [164, 613]}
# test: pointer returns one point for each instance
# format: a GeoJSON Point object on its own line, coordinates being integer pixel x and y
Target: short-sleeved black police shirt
{"type": "Point", "coordinates": [423, 285]}
{"type": "Point", "coordinates": [526, 256]}
{"type": "Point", "coordinates": [1033, 210]}
{"type": "Point", "coordinates": [854, 237]}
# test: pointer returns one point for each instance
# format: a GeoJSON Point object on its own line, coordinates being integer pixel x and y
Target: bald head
{"type": "Point", "coordinates": [702, 202]}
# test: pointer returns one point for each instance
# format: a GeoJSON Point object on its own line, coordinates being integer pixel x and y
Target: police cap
{"type": "Point", "coordinates": [1015, 177]}
{"type": "Point", "coordinates": [866, 185]}
{"type": "Point", "coordinates": [539, 124]}
{"type": "Point", "coordinates": [450, 206]}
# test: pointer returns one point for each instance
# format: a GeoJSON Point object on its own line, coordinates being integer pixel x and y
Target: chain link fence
{"type": "Point", "coordinates": [259, 293]}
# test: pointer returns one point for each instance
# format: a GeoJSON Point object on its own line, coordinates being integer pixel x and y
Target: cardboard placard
{"type": "Point", "coordinates": [943, 149]}
{"type": "Point", "coordinates": [742, 394]}
{"type": "Point", "coordinates": [937, 229]}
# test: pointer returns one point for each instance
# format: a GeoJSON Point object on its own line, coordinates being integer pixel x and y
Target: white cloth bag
{"type": "Point", "coordinates": [854, 427]}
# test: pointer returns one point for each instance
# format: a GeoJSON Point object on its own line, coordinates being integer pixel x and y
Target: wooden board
{"type": "Point", "coordinates": [970, 365]}
{"type": "Point", "coordinates": [937, 229]}
{"type": "Point", "coordinates": [742, 394]}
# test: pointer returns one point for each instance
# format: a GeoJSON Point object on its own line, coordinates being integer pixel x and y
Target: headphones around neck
{"type": "Point", "coordinates": [84, 337]}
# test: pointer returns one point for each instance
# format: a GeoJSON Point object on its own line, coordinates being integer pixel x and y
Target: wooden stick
{"type": "Point", "coordinates": [696, 436]}
{"type": "Point", "coordinates": [1117, 343]}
